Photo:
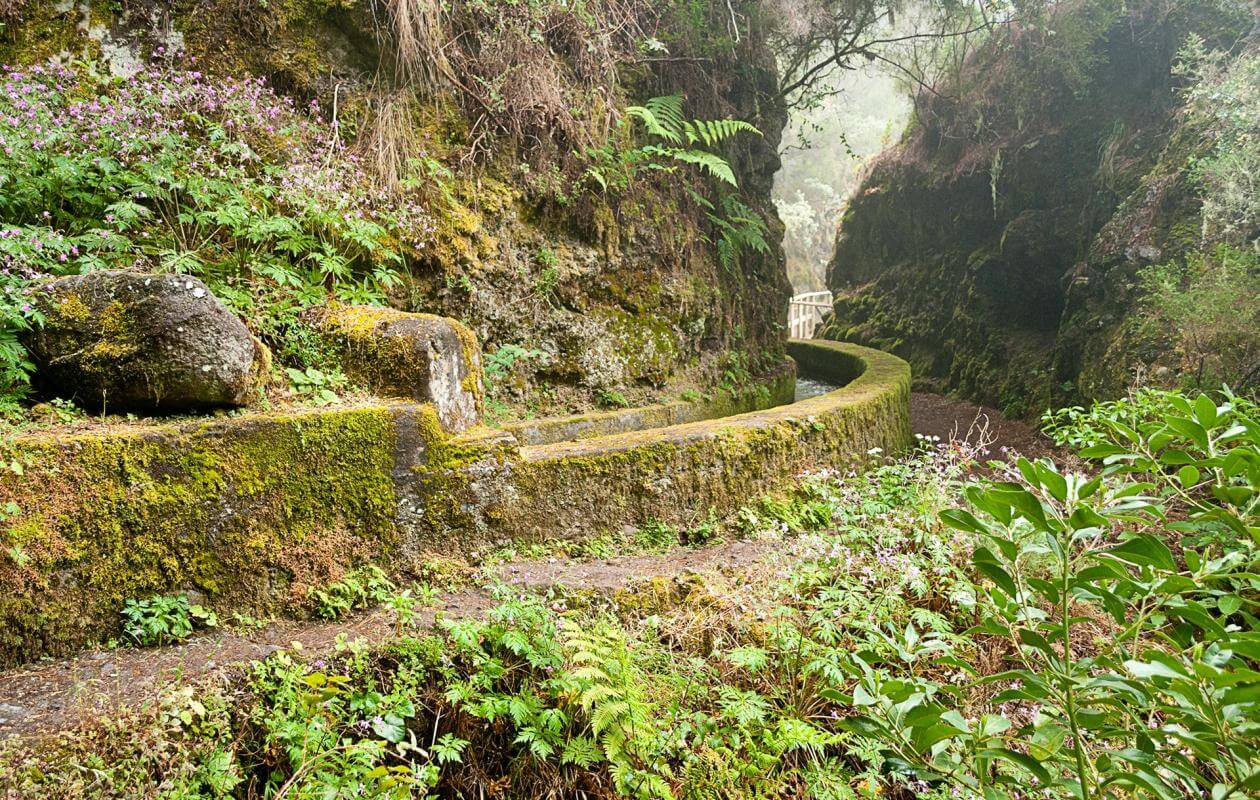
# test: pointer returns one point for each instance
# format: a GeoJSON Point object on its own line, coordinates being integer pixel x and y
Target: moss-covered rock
{"type": "Point", "coordinates": [421, 357]}
{"type": "Point", "coordinates": [127, 341]}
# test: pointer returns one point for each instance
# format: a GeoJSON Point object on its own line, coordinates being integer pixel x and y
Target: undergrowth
{"type": "Point", "coordinates": [171, 171]}
{"type": "Point", "coordinates": [919, 632]}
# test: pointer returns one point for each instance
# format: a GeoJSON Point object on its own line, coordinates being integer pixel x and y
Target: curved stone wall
{"type": "Point", "coordinates": [773, 390]}
{"type": "Point", "coordinates": [252, 512]}
{"type": "Point", "coordinates": [678, 474]}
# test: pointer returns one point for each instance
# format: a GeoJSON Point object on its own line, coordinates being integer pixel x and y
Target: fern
{"type": "Point", "coordinates": [711, 163]}
{"type": "Point", "coordinates": [612, 695]}
{"type": "Point", "coordinates": [713, 132]}
{"type": "Point", "coordinates": [663, 118]}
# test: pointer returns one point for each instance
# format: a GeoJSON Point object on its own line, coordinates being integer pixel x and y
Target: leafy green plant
{"type": "Point", "coordinates": [1208, 308]}
{"type": "Point", "coordinates": [317, 386]}
{"type": "Point", "coordinates": [663, 119]}
{"type": "Point", "coordinates": [1125, 674]}
{"type": "Point", "coordinates": [359, 588]}
{"type": "Point", "coordinates": [1078, 427]}
{"type": "Point", "coordinates": [164, 619]}
{"type": "Point", "coordinates": [679, 142]}
{"type": "Point", "coordinates": [611, 398]}
{"type": "Point", "coordinates": [173, 171]}
{"type": "Point", "coordinates": [507, 359]}
{"type": "Point", "coordinates": [549, 271]}
{"type": "Point", "coordinates": [656, 536]}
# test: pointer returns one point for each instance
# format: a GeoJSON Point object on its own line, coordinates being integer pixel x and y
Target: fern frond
{"type": "Point", "coordinates": [714, 132]}
{"type": "Point", "coordinates": [669, 110]}
{"type": "Point", "coordinates": [661, 117]}
{"type": "Point", "coordinates": [708, 162]}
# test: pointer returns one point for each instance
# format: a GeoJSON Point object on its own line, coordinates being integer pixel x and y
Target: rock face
{"type": "Point", "coordinates": [418, 356]}
{"type": "Point", "coordinates": [996, 256]}
{"type": "Point", "coordinates": [618, 290]}
{"type": "Point", "coordinates": [127, 341]}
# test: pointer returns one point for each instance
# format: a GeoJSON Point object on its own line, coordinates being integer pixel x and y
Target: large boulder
{"type": "Point", "coordinates": [421, 357]}
{"type": "Point", "coordinates": [128, 341]}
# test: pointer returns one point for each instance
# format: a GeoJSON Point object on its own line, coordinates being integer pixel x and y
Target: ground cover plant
{"type": "Point", "coordinates": [171, 171]}
{"type": "Point", "coordinates": [921, 632]}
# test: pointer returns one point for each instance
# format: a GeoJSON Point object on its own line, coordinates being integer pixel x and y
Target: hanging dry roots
{"type": "Point", "coordinates": [419, 40]}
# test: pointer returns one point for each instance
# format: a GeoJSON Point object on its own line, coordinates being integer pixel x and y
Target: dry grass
{"type": "Point", "coordinates": [390, 140]}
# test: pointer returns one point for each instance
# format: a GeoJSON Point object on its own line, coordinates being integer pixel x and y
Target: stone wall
{"type": "Point", "coordinates": [252, 512]}
{"type": "Point", "coordinates": [775, 389]}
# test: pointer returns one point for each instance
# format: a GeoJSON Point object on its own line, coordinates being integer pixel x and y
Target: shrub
{"type": "Point", "coordinates": [1224, 101]}
{"type": "Point", "coordinates": [1208, 308]}
{"type": "Point", "coordinates": [1129, 666]}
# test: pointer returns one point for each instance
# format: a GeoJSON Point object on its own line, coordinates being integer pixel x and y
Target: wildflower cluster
{"type": "Point", "coordinates": [171, 170]}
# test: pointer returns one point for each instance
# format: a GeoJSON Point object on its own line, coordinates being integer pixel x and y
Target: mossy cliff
{"type": "Point", "coordinates": [251, 512]}
{"type": "Point", "coordinates": [499, 116]}
{"type": "Point", "coordinates": [995, 246]}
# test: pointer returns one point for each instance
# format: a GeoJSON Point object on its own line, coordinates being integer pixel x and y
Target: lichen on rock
{"type": "Point", "coordinates": [421, 357]}
{"type": "Point", "coordinates": [126, 341]}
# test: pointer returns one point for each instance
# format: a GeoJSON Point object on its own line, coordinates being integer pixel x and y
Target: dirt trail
{"type": "Point", "coordinates": [937, 415]}
{"type": "Point", "coordinates": [59, 695]}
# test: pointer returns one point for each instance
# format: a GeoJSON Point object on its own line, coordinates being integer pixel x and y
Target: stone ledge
{"type": "Point", "coordinates": [769, 391]}
{"type": "Point", "coordinates": [250, 512]}
{"type": "Point", "coordinates": [679, 474]}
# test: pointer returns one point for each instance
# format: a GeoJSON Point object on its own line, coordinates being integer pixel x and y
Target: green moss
{"type": "Point", "coordinates": [389, 351]}
{"type": "Point", "coordinates": [42, 33]}
{"type": "Point", "coordinates": [254, 510]}
{"type": "Point", "coordinates": [766, 392]}
{"type": "Point", "coordinates": [71, 308]}
{"type": "Point", "coordinates": [244, 512]}
{"type": "Point", "coordinates": [677, 474]}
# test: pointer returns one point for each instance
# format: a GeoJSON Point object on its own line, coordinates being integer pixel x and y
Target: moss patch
{"type": "Point", "coordinates": [248, 512]}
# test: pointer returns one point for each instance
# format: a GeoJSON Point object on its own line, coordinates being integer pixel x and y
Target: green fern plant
{"type": "Point", "coordinates": [612, 694]}
{"type": "Point", "coordinates": [679, 142]}
{"type": "Point", "coordinates": [739, 228]}
{"type": "Point", "coordinates": [662, 117]}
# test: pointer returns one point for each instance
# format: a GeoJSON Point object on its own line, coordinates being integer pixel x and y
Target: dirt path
{"type": "Point", "coordinates": [937, 415]}
{"type": "Point", "coordinates": [60, 695]}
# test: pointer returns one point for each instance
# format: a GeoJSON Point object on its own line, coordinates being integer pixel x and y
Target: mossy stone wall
{"type": "Point", "coordinates": [678, 474]}
{"type": "Point", "coordinates": [776, 389]}
{"type": "Point", "coordinates": [248, 512]}
{"type": "Point", "coordinates": [251, 512]}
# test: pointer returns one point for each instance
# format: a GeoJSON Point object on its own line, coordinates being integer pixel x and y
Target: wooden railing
{"type": "Point", "coordinates": [805, 312]}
